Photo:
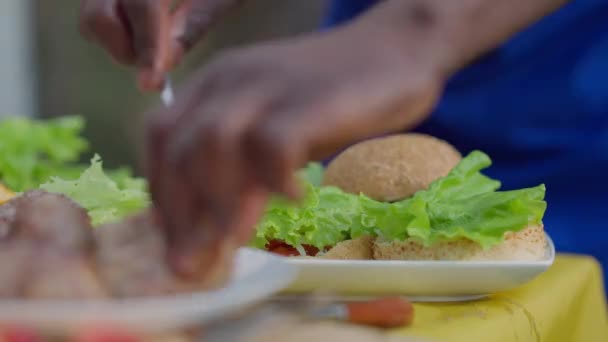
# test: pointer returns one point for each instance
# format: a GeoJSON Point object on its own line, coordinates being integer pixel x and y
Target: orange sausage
{"type": "Point", "coordinates": [385, 313]}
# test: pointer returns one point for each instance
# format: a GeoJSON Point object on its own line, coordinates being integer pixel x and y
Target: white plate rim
{"type": "Point", "coordinates": [185, 309]}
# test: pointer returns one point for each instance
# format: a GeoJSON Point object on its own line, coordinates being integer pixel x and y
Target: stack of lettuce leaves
{"type": "Point", "coordinates": [465, 204]}
{"type": "Point", "coordinates": [105, 199]}
{"type": "Point", "coordinates": [31, 151]}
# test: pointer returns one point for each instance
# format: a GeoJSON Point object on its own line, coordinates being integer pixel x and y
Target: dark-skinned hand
{"type": "Point", "coordinates": [150, 35]}
{"type": "Point", "coordinates": [245, 122]}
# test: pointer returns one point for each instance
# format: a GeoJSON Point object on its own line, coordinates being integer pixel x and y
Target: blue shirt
{"type": "Point", "coordinates": [538, 105]}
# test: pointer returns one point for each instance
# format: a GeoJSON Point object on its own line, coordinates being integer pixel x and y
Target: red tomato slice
{"type": "Point", "coordinates": [281, 248]}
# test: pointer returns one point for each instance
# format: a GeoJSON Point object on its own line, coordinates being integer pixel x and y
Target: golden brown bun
{"type": "Point", "coordinates": [355, 249]}
{"type": "Point", "coordinates": [393, 167]}
{"type": "Point", "coordinates": [527, 244]}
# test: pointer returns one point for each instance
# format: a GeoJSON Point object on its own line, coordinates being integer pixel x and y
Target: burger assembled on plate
{"type": "Point", "coordinates": [406, 197]}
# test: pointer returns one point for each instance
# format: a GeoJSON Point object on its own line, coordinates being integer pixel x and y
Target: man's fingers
{"type": "Point", "coordinates": [192, 255]}
{"type": "Point", "coordinates": [204, 255]}
{"type": "Point", "coordinates": [174, 200]}
{"type": "Point", "coordinates": [150, 24]}
{"type": "Point", "coordinates": [275, 149]}
{"type": "Point", "coordinates": [251, 208]}
{"type": "Point", "coordinates": [158, 126]}
{"type": "Point", "coordinates": [151, 35]}
{"type": "Point", "coordinates": [205, 151]}
{"type": "Point", "coordinates": [207, 144]}
{"type": "Point", "coordinates": [104, 22]}
{"type": "Point", "coordinates": [178, 204]}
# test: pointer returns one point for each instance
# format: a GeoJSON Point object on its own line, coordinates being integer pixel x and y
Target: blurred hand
{"type": "Point", "coordinates": [151, 35]}
{"type": "Point", "coordinates": [242, 125]}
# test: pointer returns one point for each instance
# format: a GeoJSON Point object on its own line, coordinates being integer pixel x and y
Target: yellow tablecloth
{"type": "Point", "coordinates": [566, 303]}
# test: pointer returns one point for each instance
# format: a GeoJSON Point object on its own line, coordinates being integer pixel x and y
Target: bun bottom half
{"type": "Point", "coordinates": [525, 245]}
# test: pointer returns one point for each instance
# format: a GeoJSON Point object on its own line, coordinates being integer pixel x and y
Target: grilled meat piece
{"type": "Point", "coordinates": [16, 257]}
{"type": "Point", "coordinates": [7, 216]}
{"type": "Point", "coordinates": [53, 221]}
{"type": "Point", "coordinates": [56, 236]}
{"type": "Point", "coordinates": [131, 257]}
{"type": "Point", "coordinates": [63, 277]}
{"type": "Point", "coordinates": [49, 249]}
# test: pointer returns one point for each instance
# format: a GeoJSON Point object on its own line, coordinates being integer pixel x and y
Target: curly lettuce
{"type": "Point", "coordinates": [31, 151]}
{"type": "Point", "coordinates": [464, 204]}
{"type": "Point", "coordinates": [325, 217]}
{"type": "Point", "coordinates": [105, 199]}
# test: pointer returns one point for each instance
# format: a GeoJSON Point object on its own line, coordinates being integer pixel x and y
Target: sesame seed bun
{"type": "Point", "coordinates": [391, 168]}
{"type": "Point", "coordinates": [356, 249]}
{"type": "Point", "coordinates": [395, 167]}
{"type": "Point", "coordinates": [526, 244]}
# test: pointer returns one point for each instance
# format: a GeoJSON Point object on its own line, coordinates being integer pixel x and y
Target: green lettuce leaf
{"type": "Point", "coordinates": [464, 204]}
{"type": "Point", "coordinates": [105, 199]}
{"type": "Point", "coordinates": [323, 218]}
{"type": "Point", "coordinates": [31, 151]}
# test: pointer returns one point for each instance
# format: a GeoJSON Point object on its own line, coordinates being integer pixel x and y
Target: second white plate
{"type": "Point", "coordinates": [257, 276]}
{"type": "Point", "coordinates": [419, 280]}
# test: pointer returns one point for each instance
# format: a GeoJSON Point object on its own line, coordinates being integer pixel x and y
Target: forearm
{"type": "Point", "coordinates": [457, 31]}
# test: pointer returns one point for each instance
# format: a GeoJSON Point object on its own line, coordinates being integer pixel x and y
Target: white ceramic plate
{"type": "Point", "coordinates": [257, 275]}
{"type": "Point", "coordinates": [419, 280]}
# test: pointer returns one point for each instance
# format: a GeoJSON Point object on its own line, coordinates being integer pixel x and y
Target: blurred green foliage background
{"type": "Point", "coordinates": [76, 77]}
